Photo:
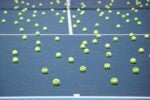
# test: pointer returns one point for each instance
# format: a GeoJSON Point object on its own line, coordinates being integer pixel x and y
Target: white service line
{"type": "Point", "coordinates": [69, 18]}
{"type": "Point", "coordinates": [3, 34]}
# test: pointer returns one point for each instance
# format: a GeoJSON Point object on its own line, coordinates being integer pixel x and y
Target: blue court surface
{"type": "Point", "coordinates": [106, 39]}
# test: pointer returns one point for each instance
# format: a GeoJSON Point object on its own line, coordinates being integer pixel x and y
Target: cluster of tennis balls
{"type": "Point", "coordinates": [125, 16]}
{"type": "Point", "coordinates": [83, 46]}
{"type": "Point", "coordinates": [15, 59]}
{"type": "Point", "coordinates": [34, 15]}
{"type": "Point", "coordinates": [56, 82]}
{"type": "Point", "coordinates": [136, 70]}
{"type": "Point", "coordinates": [44, 70]}
{"type": "Point", "coordinates": [132, 37]}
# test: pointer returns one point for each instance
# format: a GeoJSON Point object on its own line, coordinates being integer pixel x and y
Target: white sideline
{"type": "Point", "coordinates": [69, 18]}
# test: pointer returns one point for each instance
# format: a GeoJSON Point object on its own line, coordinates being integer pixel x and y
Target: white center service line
{"type": "Point", "coordinates": [69, 18]}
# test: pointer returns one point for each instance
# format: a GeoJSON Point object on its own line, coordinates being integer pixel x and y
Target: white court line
{"type": "Point", "coordinates": [69, 34]}
{"type": "Point", "coordinates": [82, 97]}
{"type": "Point", "coordinates": [69, 18]}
